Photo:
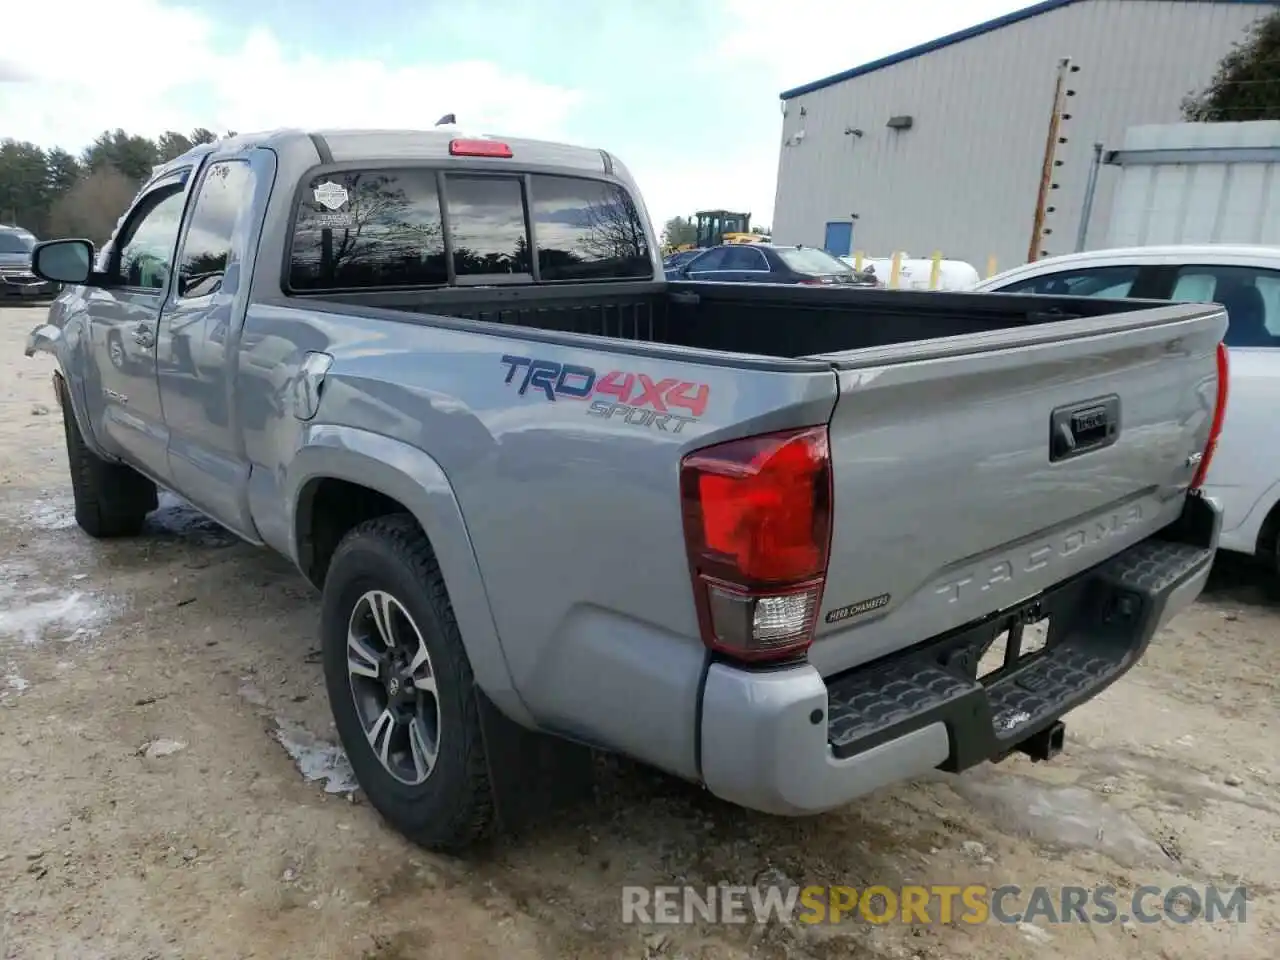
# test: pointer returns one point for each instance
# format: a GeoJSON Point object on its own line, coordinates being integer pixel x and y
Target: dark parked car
{"type": "Point", "coordinates": [766, 263]}
{"type": "Point", "coordinates": [16, 278]}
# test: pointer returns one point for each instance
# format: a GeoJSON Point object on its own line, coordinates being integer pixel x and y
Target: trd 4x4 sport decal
{"type": "Point", "coordinates": [667, 403]}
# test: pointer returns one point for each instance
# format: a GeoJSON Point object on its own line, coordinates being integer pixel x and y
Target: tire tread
{"type": "Point", "coordinates": [111, 499]}
{"type": "Point", "coordinates": [473, 818]}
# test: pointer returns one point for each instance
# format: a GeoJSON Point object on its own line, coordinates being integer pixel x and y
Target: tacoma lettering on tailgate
{"type": "Point", "coordinates": [635, 398]}
{"type": "Point", "coordinates": [1038, 555]}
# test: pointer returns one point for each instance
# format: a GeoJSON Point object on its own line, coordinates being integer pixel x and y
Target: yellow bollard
{"type": "Point", "coordinates": [991, 266]}
{"type": "Point", "coordinates": [895, 270]}
{"type": "Point", "coordinates": [935, 272]}
{"type": "Point", "coordinates": [857, 260]}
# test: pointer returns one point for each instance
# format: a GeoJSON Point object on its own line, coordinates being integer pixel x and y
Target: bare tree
{"type": "Point", "coordinates": [93, 205]}
{"type": "Point", "coordinates": [614, 230]}
{"type": "Point", "coordinates": [375, 234]}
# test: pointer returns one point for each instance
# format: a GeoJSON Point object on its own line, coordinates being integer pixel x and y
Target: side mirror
{"type": "Point", "coordinates": [63, 261]}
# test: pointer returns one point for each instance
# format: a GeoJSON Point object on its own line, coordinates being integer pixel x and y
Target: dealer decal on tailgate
{"type": "Point", "coordinates": [636, 398]}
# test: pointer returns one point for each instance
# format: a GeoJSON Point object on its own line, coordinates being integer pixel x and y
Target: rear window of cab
{"type": "Point", "coordinates": [386, 229]}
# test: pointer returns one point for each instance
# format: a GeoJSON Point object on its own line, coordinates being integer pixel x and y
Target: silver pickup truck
{"type": "Point", "coordinates": [756, 536]}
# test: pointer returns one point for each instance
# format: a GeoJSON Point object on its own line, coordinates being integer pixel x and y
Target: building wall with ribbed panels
{"type": "Point", "coordinates": [964, 178]}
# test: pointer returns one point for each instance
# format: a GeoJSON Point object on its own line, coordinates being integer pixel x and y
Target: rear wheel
{"type": "Point", "coordinates": [400, 686]}
{"type": "Point", "coordinates": [111, 499]}
{"type": "Point", "coordinates": [1270, 556]}
{"type": "Point", "coordinates": [1268, 552]}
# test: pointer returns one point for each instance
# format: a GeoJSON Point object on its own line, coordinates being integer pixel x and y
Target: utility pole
{"type": "Point", "coordinates": [1060, 93]}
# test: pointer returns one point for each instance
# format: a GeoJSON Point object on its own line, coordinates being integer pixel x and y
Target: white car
{"type": "Point", "coordinates": [1244, 474]}
{"type": "Point", "coordinates": [916, 273]}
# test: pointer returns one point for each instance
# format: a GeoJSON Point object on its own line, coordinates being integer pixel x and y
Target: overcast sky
{"type": "Point", "coordinates": [684, 91]}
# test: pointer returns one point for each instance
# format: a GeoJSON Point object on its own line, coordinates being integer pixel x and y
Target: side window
{"type": "Point", "coordinates": [711, 260]}
{"type": "Point", "coordinates": [744, 258]}
{"type": "Point", "coordinates": [209, 245]}
{"type": "Point", "coordinates": [368, 228]}
{"type": "Point", "coordinates": [1102, 282]}
{"type": "Point", "coordinates": [144, 253]}
{"type": "Point", "coordinates": [486, 226]}
{"type": "Point", "coordinates": [586, 230]}
{"type": "Point", "coordinates": [1251, 296]}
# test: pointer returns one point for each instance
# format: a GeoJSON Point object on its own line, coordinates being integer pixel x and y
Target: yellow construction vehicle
{"type": "Point", "coordinates": [714, 226]}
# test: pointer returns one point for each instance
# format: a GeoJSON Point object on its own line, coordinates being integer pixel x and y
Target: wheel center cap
{"type": "Point", "coordinates": [393, 686]}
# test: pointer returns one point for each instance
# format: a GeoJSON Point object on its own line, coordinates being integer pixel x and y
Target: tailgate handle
{"type": "Point", "coordinates": [1083, 427]}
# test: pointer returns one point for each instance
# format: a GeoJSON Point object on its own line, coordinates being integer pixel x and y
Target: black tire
{"type": "Point", "coordinates": [1270, 556]}
{"type": "Point", "coordinates": [112, 499]}
{"type": "Point", "coordinates": [453, 807]}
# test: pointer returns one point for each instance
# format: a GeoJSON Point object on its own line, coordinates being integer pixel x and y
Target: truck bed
{"type": "Point", "coordinates": [951, 497]}
{"type": "Point", "coordinates": [766, 320]}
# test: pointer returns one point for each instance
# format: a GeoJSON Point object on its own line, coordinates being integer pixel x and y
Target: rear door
{"type": "Point", "coordinates": [744, 264]}
{"type": "Point", "coordinates": [952, 498]}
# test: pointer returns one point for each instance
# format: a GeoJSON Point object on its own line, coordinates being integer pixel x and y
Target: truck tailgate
{"type": "Point", "coordinates": [957, 492]}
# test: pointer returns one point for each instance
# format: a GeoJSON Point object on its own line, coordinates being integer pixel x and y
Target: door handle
{"type": "Point", "coordinates": [143, 335]}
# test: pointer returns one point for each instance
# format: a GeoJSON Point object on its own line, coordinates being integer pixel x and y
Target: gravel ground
{"type": "Point", "coordinates": [170, 787]}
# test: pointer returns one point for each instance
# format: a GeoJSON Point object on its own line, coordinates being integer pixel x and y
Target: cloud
{"type": "Point", "coordinates": [167, 69]}
{"type": "Point", "coordinates": [686, 93]}
{"type": "Point", "coordinates": [799, 41]}
{"type": "Point", "coordinates": [760, 48]}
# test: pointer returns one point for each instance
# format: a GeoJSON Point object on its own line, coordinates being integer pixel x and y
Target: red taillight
{"type": "Point", "coordinates": [1219, 413]}
{"type": "Point", "coordinates": [757, 524]}
{"type": "Point", "coordinates": [811, 282]}
{"type": "Point", "coordinates": [478, 148]}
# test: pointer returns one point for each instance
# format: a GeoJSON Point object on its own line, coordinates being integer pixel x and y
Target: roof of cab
{"type": "Point", "coordinates": [345, 146]}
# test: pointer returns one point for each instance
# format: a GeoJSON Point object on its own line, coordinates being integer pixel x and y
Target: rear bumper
{"type": "Point", "coordinates": [789, 742]}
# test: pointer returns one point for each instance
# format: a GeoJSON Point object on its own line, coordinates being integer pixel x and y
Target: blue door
{"type": "Point", "coordinates": [839, 241]}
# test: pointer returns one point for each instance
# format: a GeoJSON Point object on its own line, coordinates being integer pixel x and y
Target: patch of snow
{"type": "Point", "coordinates": [316, 759]}
{"type": "Point", "coordinates": [1067, 816]}
{"type": "Point", "coordinates": [51, 513]}
{"type": "Point", "coordinates": [162, 748]}
{"type": "Point", "coordinates": [63, 617]}
{"type": "Point", "coordinates": [1035, 934]}
{"type": "Point", "coordinates": [13, 682]}
{"type": "Point", "coordinates": [33, 610]}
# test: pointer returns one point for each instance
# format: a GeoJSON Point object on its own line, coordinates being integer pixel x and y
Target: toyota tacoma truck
{"type": "Point", "coordinates": [757, 536]}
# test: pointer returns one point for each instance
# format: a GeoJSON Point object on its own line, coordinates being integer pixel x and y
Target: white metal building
{"type": "Point", "coordinates": [1196, 183]}
{"type": "Point", "coordinates": [941, 147]}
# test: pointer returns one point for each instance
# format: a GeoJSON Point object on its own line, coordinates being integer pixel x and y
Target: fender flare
{"type": "Point", "coordinates": [414, 479]}
{"type": "Point", "coordinates": [69, 387]}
